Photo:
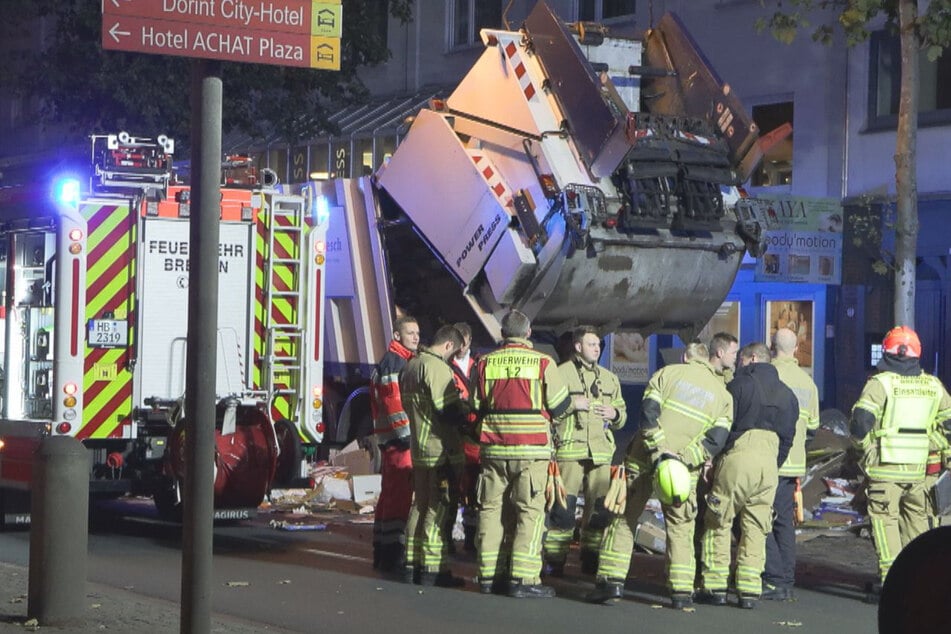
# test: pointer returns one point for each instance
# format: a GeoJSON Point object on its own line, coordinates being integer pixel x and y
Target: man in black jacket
{"type": "Point", "coordinates": [744, 483]}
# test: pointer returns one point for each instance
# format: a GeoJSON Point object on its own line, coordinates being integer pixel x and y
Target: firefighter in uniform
{"type": "Point", "coordinates": [779, 576]}
{"type": "Point", "coordinates": [391, 427]}
{"type": "Point", "coordinates": [896, 420]}
{"type": "Point", "coordinates": [765, 412]}
{"type": "Point", "coordinates": [686, 411]}
{"type": "Point", "coordinates": [436, 416]}
{"type": "Point", "coordinates": [584, 445]}
{"type": "Point", "coordinates": [723, 349]}
{"type": "Point", "coordinates": [518, 390]}
{"type": "Point", "coordinates": [462, 364]}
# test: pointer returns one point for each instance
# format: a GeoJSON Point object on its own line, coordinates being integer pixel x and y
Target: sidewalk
{"type": "Point", "coordinates": [107, 609]}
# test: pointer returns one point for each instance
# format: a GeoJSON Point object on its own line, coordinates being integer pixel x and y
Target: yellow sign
{"type": "Point", "coordinates": [105, 372]}
{"type": "Point", "coordinates": [325, 53]}
{"type": "Point", "coordinates": [326, 19]}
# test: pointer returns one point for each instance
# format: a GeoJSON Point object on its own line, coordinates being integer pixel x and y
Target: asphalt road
{"type": "Point", "coordinates": [268, 580]}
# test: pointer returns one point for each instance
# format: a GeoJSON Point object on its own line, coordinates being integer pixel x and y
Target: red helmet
{"type": "Point", "coordinates": [902, 340]}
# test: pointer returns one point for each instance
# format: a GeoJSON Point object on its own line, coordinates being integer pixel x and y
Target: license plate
{"type": "Point", "coordinates": [108, 333]}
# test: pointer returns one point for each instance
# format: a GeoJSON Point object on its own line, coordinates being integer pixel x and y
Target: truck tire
{"type": "Point", "coordinates": [167, 503]}
{"type": "Point", "coordinates": [291, 454]}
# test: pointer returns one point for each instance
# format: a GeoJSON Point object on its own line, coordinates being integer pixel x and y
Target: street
{"type": "Point", "coordinates": [275, 580]}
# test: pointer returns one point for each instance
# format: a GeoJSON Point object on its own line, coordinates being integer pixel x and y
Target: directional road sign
{"type": "Point", "coordinates": [301, 33]}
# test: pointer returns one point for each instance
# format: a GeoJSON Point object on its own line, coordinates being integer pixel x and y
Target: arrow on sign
{"type": "Point", "coordinates": [115, 32]}
{"type": "Point", "coordinates": [115, 3]}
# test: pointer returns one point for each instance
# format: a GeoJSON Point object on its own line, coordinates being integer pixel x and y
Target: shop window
{"type": "Point", "coordinates": [600, 10]}
{"type": "Point", "coordinates": [467, 17]}
{"type": "Point", "coordinates": [775, 122]}
{"type": "Point", "coordinates": [934, 92]}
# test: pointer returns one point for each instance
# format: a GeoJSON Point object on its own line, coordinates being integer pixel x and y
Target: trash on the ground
{"type": "Point", "coordinates": [840, 489]}
{"type": "Point", "coordinates": [284, 525]}
{"type": "Point", "coordinates": [238, 584]}
{"type": "Point", "coordinates": [353, 458]}
{"type": "Point", "coordinates": [651, 532]}
{"type": "Point", "coordinates": [942, 493]}
{"type": "Point", "coordinates": [365, 488]}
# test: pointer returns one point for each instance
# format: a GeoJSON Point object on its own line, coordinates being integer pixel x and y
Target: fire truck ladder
{"type": "Point", "coordinates": [284, 302]}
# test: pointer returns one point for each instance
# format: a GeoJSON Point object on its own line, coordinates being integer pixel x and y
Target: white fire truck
{"type": "Point", "coordinates": [94, 286]}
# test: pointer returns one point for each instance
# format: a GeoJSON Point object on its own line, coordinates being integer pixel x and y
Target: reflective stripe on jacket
{"type": "Point", "coordinates": [386, 407]}
{"type": "Point", "coordinates": [517, 391]}
{"type": "Point", "coordinates": [584, 435]}
{"type": "Point", "coordinates": [802, 385]}
{"type": "Point", "coordinates": [433, 405]}
{"type": "Point", "coordinates": [906, 410]}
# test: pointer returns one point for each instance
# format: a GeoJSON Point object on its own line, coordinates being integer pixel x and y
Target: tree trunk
{"type": "Point", "coordinates": [906, 183]}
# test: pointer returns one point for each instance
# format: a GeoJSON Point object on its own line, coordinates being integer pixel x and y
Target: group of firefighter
{"type": "Point", "coordinates": [515, 438]}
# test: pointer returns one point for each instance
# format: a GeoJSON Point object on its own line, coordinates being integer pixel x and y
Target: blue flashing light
{"type": "Point", "coordinates": [322, 209]}
{"type": "Point", "coordinates": [66, 191]}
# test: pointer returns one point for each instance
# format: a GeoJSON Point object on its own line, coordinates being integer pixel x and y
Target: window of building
{"type": "Point", "coordinates": [775, 122]}
{"type": "Point", "coordinates": [934, 93]}
{"type": "Point", "coordinates": [468, 17]}
{"type": "Point", "coordinates": [599, 10]}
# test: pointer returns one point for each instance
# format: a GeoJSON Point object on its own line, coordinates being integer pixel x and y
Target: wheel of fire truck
{"type": "Point", "coordinates": [166, 498]}
{"type": "Point", "coordinates": [355, 423]}
{"type": "Point", "coordinates": [290, 456]}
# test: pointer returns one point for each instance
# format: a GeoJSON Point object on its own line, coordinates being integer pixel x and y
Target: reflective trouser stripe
{"type": "Point", "coordinates": [595, 478]}
{"type": "Point", "coordinates": [617, 545]}
{"type": "Point", "coordinates": [519, 487]}
{"type": "Point", "coordinates": [898, 512]}
{"type": "Point", "coordinates": [426, 530]}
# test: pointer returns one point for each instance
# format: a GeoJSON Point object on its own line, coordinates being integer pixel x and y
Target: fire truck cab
{"type": "Point", "coordinates": [93, 327]}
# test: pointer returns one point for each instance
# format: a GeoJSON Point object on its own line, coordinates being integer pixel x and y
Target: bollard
{"type": "Point", "coordinates": [59, 531]}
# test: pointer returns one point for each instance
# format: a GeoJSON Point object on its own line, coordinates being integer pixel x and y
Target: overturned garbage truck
{"type": "Point", "coordinates": [579, 178]}
{"type": "Point", "coordinates": [576, 177]}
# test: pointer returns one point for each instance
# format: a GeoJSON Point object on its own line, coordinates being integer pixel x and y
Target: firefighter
{"type": "Point", "coordinates": [392, 430]}
{"type": "Point", "coordinates": [723, 348]}
{"type": "Point", "coordinates": [436, 416]}
{"type": "Point", "coordinates": [779, 576]}
{"type": "Point", "coordinates": [584, 445]}
{"type": "Point", "coordinates": [462, 364]}
{"type": "Point", "coordinates": [895, 421]}
{"type": "Point", "coordinates": [686, 412]}
{"type": "Point", "coordinates": [765, 412]}
{"type": "Point", "coordinates": [518, 390]}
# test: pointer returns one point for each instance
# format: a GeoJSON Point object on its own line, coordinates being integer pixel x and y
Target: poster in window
{"type": "Point", "coordinates": [629, 357]}
{"type": "Point", "coordinates": [726, 319]}
{"type": "Point", "coordinates": [797, 316]}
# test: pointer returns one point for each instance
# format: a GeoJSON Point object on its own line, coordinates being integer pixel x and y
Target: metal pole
{"type": "Point", "coordinates": [200, 370]}
{"type": "Point", "coordinates": [59, 531]}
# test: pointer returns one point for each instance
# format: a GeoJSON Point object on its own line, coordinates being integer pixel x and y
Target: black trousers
{"type": "Point", "coordinates": [780, 568]}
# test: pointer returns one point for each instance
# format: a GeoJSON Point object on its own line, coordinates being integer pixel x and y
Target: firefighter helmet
{"type": "Point", "coordinates": [672, 482]}
{"type": "Point", "coordinates": [902, 340]}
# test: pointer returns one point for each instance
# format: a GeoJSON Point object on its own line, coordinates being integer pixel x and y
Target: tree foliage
{"type": "Point", "coordinates": [91, 90]}
{"type": "Point", "coordinates": [919, 28]}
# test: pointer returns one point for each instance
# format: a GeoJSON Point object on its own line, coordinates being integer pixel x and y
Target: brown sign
{"type": "Point", "coordinates": [299, 33]}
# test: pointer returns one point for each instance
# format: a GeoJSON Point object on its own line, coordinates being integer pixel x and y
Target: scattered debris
{"type": "Point", "coordinates": [284, 525]}
{"type": "Point", "coordinates": [238, 584]}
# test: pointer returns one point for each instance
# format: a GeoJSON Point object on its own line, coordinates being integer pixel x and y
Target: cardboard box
{"type": "Point", "coordinates": [354, 459]}
{"type": "Point", "coordinates": [366, 488]}
{"type": "Point", "coordinates": [651, 532]}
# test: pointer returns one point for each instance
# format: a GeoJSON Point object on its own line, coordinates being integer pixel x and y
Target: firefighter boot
{"type": "Point", "coordinates": [606, 591]}
{"type": "Point", "coordinates": [589, 561]}
{"type": "Point", "coordinates": [712, 597]}
{"type": "Point", "coordinates": [519, 590]}
{"type": "Point", "coordinates": [681, 600]}
{"type": "Point", "coordinates": [441, 579]}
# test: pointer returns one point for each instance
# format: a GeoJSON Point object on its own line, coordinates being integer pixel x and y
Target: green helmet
{"type": "Point", "coordinates": [672, 482]}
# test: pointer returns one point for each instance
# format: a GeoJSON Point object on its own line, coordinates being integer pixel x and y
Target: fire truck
{"type": "Point", "coordinates": [94, 283]}
{"type": "Point", "coordinates": [577, 177]}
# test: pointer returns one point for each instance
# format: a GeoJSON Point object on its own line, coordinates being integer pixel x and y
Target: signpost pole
{"type": "Point", "coordinates": [200, 367]}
